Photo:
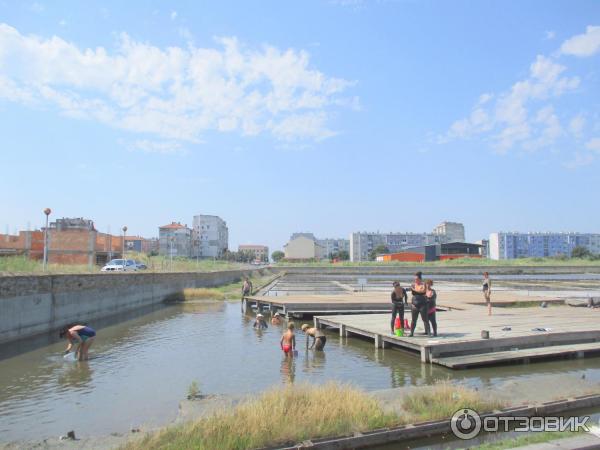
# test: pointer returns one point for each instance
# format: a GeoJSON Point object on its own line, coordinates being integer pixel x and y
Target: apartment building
{"type": "Point", "coordinates": [510, 245]}
{"type": "Point", "coordinates": [363, 243]}
{"type": "Point", "coordinates": [303, 246]}
{"type": "Point", "coordinates": [454, 231]}
{"type": "Point", "coordinates": [260, 252]}
{"type": "Point", "coordinates": [210, 236]}
{"type": "Point", "coordinates": [175, 239]}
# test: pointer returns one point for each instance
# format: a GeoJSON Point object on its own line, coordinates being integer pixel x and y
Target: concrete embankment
{"type": "Point", "coordinates": [36, 304]}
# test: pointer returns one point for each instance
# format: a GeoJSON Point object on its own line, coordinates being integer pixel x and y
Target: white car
{"type": "Point", "coordinates": [120, 265]}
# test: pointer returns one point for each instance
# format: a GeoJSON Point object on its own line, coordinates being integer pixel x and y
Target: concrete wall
{"type": "Point", "coordinates": [31, 305]}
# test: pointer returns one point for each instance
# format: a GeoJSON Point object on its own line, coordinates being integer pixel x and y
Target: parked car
{"type": "Point", "coordinates": [141, 265]}
{"type": "Point", "coordinates": [120, 265]}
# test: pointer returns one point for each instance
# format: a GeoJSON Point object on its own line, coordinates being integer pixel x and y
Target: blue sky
{"type": "Point", "coordinates": [322, 116]}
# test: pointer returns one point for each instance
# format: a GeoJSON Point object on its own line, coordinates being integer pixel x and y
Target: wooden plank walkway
{"type": "Point", "coordinates": [377, 302]}
{"type": "Point", "coordinates": [459, 334]}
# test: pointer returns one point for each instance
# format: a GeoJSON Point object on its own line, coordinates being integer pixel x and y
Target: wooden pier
{"type": "Point", "coordinates": [570, 332]}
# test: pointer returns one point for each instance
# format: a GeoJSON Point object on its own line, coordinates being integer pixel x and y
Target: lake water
{"type": "Point", "coordinates": [142, 364]}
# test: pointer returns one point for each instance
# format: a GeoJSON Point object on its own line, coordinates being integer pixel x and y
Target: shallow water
{"type": "Point", "coordinates": [141, 367]}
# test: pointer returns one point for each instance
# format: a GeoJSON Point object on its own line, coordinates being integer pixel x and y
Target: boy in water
{"type": "Point", "coordinates": [288, 340]}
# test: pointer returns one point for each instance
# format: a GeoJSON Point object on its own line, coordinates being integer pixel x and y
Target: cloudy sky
{"type": "Point", "coordinates": [323, 116]}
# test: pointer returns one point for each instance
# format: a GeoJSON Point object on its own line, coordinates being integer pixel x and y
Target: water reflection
{"type": "Point", "coordinates": [288, 369]}
{"type": "Point", "coordinates": [76, 375]}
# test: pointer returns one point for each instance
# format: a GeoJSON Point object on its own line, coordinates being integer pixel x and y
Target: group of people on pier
{"type": "Point", "coordinates": [423, 304]}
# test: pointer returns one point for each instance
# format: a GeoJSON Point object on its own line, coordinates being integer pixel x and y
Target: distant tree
{"type": "Point", "coordinates": [343, 255]}
{"type": "Point", "coordinates": [580, 252]}
{"type": "Point", "coordinates": [379, 250]}
{"type": "Point", "coordinates": [277, 255]}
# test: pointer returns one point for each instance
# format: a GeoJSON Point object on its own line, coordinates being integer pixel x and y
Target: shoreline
{"type": "Point", "coordinates": [529, 393]}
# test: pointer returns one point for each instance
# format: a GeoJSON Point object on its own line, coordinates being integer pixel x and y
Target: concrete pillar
{"type": "Point", "coordinates": [425, 354]}
{"type": "Point", "coordinates": [343, 332]}
{"type": "Point", "coordinates": [378, 340]}
{"type": "Point", "coordinates": [317, 322]}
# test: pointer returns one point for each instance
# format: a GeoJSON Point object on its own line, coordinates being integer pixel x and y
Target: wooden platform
{"type": "Point", "coordinates": [377, 302]}
{"type": "Point", "coordinates": [571, 332]}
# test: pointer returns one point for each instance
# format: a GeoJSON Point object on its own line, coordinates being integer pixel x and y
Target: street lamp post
{"type": "Point", "coordinates": [124, 234]}
{"type": "Point", "coordinates": [47, 212]}
{"type": "Point", "coordinates": [171, 252]}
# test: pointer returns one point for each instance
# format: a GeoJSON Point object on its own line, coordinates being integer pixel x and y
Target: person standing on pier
{"type": "Point", "coordinates": [419, 303]}
{"type": "Point", "coordinates": [399, 299]}
{"type": "Point", "coordinates": [431, 296]}
{"type": "Point", "coordinates": [246, 289]}
{"type": "Point", "coordinates": [487, 291]}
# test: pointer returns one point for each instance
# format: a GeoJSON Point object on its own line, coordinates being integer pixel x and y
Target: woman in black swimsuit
{"type": "Point", "coordinates": [431, 296]}
{"type": "Point", "coordinates": [399, 299]}
{"type": "Point", "coordinates": [419, 303]}
{"type": "Point", "coordinates": [487, 291]}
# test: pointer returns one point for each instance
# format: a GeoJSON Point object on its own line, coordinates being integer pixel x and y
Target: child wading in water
{"type": "Point", "coordinates": [288, 341]}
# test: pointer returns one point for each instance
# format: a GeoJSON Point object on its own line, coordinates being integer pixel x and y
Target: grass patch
{"type": "Point", "coordinates": [225, 292]}
{"type": "Point", "coordinates": [527, 439]}
{"type": "Point", "coordinates": [442, 400]}
{"type": "Point", "coordinates": [20, 265]}
{"type": "Point", "coordinates": [283, 415]}
{"type": "Point", "coordinates": [292, 414]}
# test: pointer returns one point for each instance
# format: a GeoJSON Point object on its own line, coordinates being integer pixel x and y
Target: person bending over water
{"type": "Point", "coordinates": [399, 299]}
{"type": "Point", "coordinates": [260, 323]}
{"type": "Point", "coordinates": [431, 297]}
{"type": "Point", "coordinates": [319, 338]}
{"type": "Point", "coordinates": [419, 303]}
{"type": "Point", "coordinates": [288, 340]}
{"type": "Point", "coordinates": [80, 335]}
{"type": "Point", "coordinates": [487, 291]}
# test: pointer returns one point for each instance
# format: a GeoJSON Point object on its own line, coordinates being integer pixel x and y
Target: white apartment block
{"type": "Point", "coordinates": [333, 246]}
{"type": "Point", "coordinates": [362, 243]}
{"type": "Point", "coordinates": [539, 245]}
{"type": "Point", "coordinates": [454, 231]}
{"type": "Point", "coordinates": [303, 247]}
{"type": "Point", "coordinates": [174, 240]}
{"type": "Point", "coordinates": [210, 236]}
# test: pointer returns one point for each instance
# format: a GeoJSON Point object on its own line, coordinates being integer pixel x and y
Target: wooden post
{"type": "Point", "coordinates": [378, 340]}
{"type": "Point", "coordinates": [425, 354]}
{"type": "Point", "coordinates": [343, 332]}
{"type": "Point", "coordinates": [317, 322]}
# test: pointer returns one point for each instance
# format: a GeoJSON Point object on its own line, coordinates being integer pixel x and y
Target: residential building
{"type": "Point", "coordinates": [210, 238]}
{"type": "Point", "coordinates": [363, 243]}
{"type": "Point", "coordinates": [301, 247]}
{"type": "Point", "coordinates": [27, 243]}
{"type": "Point", "coordinates": [538, 245]}
{"type": "Point", "coordinates": [260, 252]}
{"type": "Point", "coordinates": [175, 239]}
{"type": "Point", "coordinates": [333, 246]}
{"type": "Point", "coordinates": [485, 247]}
{"type": "Point", "coordinates": [454, 231]}
{"type": "Point", "coordinates": [140, 244]}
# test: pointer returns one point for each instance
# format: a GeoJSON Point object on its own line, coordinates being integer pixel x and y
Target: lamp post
{"type": "Point", "coordinates": [47, 212]}
{"type": "Point", "coordinates": [124, 233]}
{"type": "Point", "coordinates": [172, 238]}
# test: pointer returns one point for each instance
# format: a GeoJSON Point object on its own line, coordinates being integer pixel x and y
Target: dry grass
{"type": "Point", "coordinates": [442, 400]}
{"type": "Point", "coordinates": [283, 415]}
{"type": "Point", "coordinates": [202, 293]}
{"type": "Point", "coordinates": [288, 415]}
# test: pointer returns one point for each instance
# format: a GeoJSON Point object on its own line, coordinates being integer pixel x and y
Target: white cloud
{"type": "Point", "coordinates": [576, 125]}
{"type": "Point", "coordinates": [505, 118]}
{"type": "Point", "coordinates": [549, 35]}
{"type": "Point", "coordinates": [162, 147]}
{"type": "Point", "coordinates": [176, 93]}
{"type": "Point", "coordinates": [63, 23]}
{"type": "Point", "coordinates": [583, 44]}
{"type": "Point", "coordinates": [579, 160]}
{"type": "Point", "coordinates": [37, 8]}
{"type": "Point", "coordinates": [593, 144]}
{"type": "Point", "coordinates": [173, 15]}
